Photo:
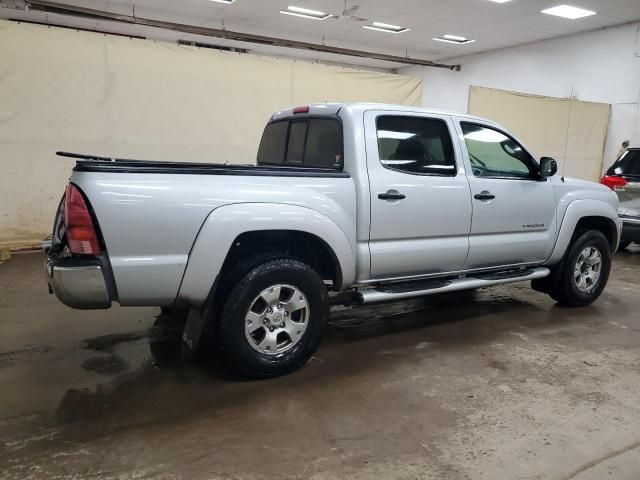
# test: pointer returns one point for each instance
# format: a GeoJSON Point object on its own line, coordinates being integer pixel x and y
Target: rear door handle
{"type": "Point", "coordinates": [484, 196]}
{"type": "Point", "coordinates": [391, 195]}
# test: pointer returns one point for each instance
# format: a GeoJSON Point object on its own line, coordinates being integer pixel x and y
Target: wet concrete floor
{"type": "Point", "coordinates": [496, 384]}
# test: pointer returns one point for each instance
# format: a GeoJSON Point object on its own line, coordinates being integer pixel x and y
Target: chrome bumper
{"type": "Point", "coordinates": [77, 283]}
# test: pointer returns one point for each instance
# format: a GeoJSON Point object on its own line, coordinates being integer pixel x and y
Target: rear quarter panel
{"type": "Point", "coordinates": [149, 222]}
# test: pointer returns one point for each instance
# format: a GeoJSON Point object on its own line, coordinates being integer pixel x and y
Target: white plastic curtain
{"type": "Point", "coordinates": [61, 89]}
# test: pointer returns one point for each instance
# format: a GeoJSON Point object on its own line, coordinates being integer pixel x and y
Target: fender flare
{"type": "Point", "coordinates": [577, 210]}
{"type": "Point", "coordinates": [224, 224]}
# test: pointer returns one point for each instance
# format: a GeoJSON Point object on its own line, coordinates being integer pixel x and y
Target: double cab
{"type": "Point", "coordinates": [380, 202]}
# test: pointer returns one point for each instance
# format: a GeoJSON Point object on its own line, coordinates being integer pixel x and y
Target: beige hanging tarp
{"type": "Point", "coordinates": [61, 89]}
{"type": "Point", "coordinates": [571, 131]}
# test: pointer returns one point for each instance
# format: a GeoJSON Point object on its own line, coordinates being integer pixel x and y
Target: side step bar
{"type": "Point", "coordinates": [384, 293]}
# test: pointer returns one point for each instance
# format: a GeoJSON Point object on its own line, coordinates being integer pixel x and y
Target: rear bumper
{"type": "Point", "coordinates": [78, 283]}
{"type": "Point", "coordinates": [631, 229]}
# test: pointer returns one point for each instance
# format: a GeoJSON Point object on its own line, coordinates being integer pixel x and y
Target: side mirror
{"type": "Point", "coordinates": [548, 167]}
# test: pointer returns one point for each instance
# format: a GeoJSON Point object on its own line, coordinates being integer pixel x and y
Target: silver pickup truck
{"type": "Point", "coordinates": [380, 202]}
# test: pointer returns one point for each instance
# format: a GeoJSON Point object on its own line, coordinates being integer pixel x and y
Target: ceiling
{"type": "Point", "coordinates": [492, 25]}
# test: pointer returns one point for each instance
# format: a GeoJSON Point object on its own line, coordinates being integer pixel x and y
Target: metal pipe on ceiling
{"type": "Point", "coordinates": [63, 9]}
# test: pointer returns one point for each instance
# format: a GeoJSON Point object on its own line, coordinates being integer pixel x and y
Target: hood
{"type": "Point", "coordinates": [584, 184]}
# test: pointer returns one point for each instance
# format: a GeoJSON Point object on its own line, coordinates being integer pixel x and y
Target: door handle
{"type": "Point", "coordinates": [484, 195]}
{"type": "Point", "coordinates": [391, 195]}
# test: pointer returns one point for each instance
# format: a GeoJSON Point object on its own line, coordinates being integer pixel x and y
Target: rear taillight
{"type": "Point", "coordinates": [81, 234]}
{"type": "Point", "coordinates": [613, 182]}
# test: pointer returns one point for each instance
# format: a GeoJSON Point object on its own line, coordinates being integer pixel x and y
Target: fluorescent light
{"type": "Point", "coordinates": [305, 13]}
{"type": "Point", "coordinates": [308, 11]}
{"type": "Point", "coordinates": [453, 39]}
{"type": "Point", "coordinates": [567, 11]}
{"type": "Point", "coordinates": [223, 1]}
{"type": "Point", "coordinates": [499, 1]}
{"type": "Point", "coordinates": [386, 27]}
{"type": "Point", "coordinates": [301, 15]}
{"type": "Point", "coordinates": [369, 27]}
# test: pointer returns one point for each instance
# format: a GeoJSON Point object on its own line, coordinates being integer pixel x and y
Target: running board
{"type": "Point", "coordinates": [397, 291]}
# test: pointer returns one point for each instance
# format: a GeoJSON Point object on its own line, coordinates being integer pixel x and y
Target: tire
{"type": "Point", "coordinates": [273, 319]}
{"type": "Point", "coordinates": [209, 346]}
{"type": "Point", "coordinates": [575, 290]}
{"type": "Point", "coordinates": [624, 244]}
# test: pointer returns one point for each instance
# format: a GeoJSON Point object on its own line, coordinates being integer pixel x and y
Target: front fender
{"type": "Point", "coordinates": [575, 211]}
{"type": "Point", "coordinates": [226, 223]}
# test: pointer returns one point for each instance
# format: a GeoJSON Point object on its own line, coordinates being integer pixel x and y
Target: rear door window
{"type": "Point", "coordinates": [416, 145]}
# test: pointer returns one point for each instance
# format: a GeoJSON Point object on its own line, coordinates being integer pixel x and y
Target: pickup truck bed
{"type": "Point", "coordinates": [93, 163]}
{"type": "Point", "coordinates": [128, 195]}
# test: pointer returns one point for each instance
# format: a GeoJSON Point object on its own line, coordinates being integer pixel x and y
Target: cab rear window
{"type": "Point", "coordinates": [310, 142]}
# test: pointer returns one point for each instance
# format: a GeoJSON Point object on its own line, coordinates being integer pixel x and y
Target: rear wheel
{"type": "Point", "coordinates": [585, 271]}
{"type": "Point", "coordinates": [274, 318]}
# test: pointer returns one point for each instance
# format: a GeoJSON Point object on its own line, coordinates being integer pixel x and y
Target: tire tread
{"type": "Point", "coordinates": [235, 361]}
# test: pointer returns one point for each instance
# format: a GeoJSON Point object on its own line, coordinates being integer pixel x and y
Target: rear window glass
{"type": "Point", "coordinates": [627, 165]}
{"type": "Point", "coordinates": [324, 149]}
{"type": "Point", "coordinates": [313, 143]}
{"type": "Point", "coordinates": [274, 142]}
{"type": "Point", "coordinates": [297, 137]}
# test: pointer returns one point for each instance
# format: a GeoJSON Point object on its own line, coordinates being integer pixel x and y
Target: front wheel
{"type": "Point", "coordinates": [274, 318]}
{"type": "Point", "coordinates": [585, 272]}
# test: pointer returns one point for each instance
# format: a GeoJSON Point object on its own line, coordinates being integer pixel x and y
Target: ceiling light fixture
{"type": "Point", "coordinates": [455, 37]}
{"type": "Point", "coordinates": [223, 1]}
{"type": "Point", "coordinates": [567, 11]}
{"type": "Point", "coordinates": [305, 13]}
{"type": "Point", "coordinates": [386, 27]}
{"type": "Point", "coordinates": [499, 1]}
{"type": "Point", "coordinates": [458, 40]}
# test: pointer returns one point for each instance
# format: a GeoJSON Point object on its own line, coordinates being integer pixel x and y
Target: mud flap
{"type": "Point", "coordinates": [549, 284]}
{"type": "Point", "coordinates": [193, 329]}
{"type": "Point", "coordinates": [197, 334]}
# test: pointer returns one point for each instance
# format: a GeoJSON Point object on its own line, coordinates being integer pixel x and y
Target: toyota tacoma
{"type": "Point", "coordinates": [379, 202]}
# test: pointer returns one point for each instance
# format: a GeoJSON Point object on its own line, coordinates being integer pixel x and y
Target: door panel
{"type": "Point", "coordinates": [514, 217]}
{"type": "Point", "coordinates": [517, 226]}
{"type": "Point", "coordinates": [426, 230]}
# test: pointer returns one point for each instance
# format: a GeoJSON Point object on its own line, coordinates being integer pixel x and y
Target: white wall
{"type": "Point", "coordinates": [600, 66]}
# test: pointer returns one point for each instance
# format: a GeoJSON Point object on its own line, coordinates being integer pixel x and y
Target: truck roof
{"type": "Point", "coordinates": [358, 107]}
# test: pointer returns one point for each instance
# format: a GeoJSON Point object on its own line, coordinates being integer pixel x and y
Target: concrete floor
{"type": "Point", "coordinates": [500, 384]}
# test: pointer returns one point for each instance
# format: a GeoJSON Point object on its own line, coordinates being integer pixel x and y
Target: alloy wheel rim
{"type": "Point", "coordinates": [588, 269]}
{"type": "Point", "coordinates": [277, 319]}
